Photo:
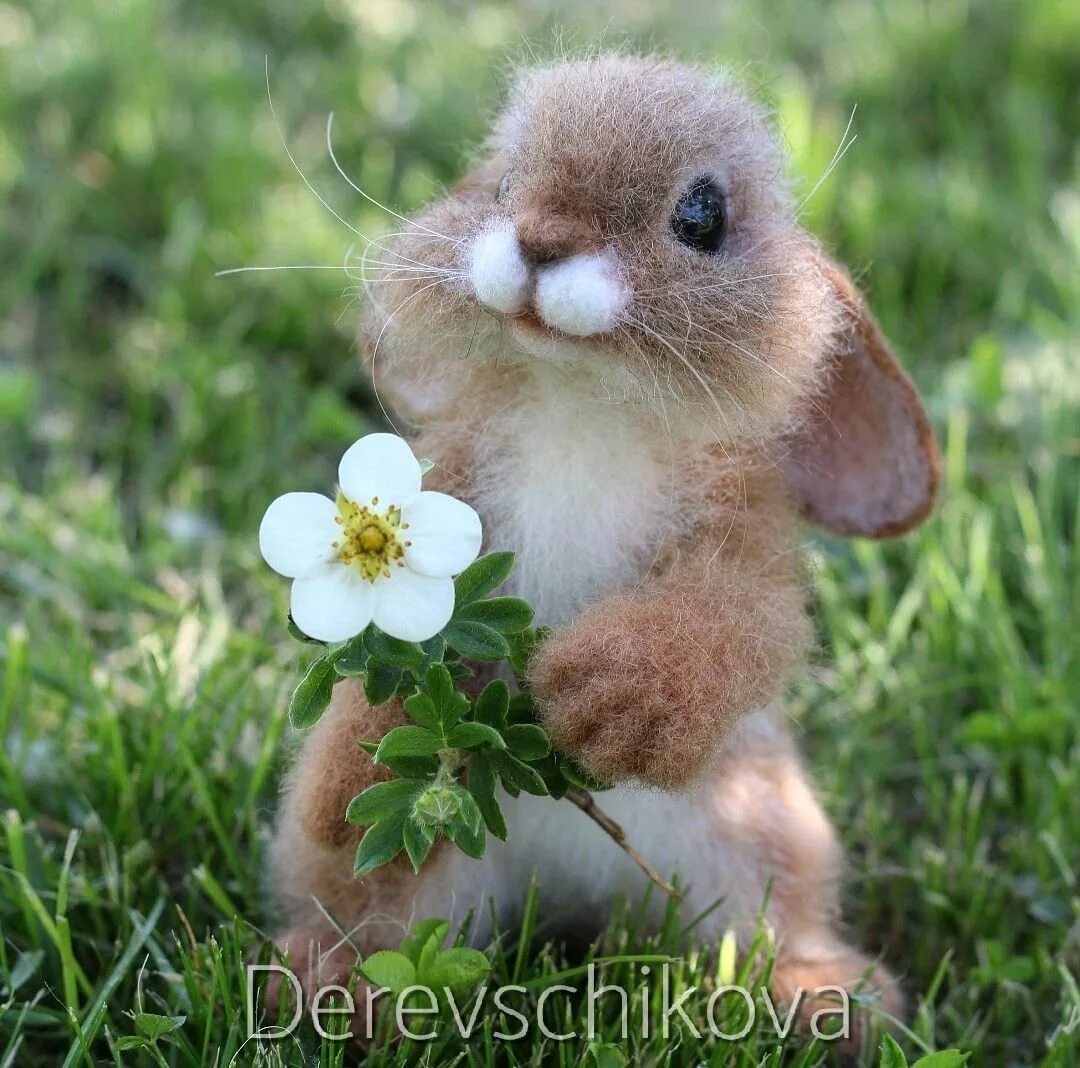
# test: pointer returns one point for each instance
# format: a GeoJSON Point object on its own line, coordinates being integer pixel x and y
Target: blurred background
{"type": "Point", "coordinates": [138, 156]}
{"type": "Point", "coordinates": [149, 410]}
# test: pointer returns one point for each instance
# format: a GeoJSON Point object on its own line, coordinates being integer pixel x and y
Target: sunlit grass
{"type": "Point", "coordinates": [149, 410]}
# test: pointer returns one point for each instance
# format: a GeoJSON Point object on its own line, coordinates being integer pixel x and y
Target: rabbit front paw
{"type": "Point", "coordinates": [611, 711]}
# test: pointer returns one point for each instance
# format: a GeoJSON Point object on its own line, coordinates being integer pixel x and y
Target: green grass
{"type": "Point", "coordinates": [149, 411]}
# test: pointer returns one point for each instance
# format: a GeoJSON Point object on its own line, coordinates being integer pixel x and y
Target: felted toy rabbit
{"type": "Point", "coordinates": [620, 347]}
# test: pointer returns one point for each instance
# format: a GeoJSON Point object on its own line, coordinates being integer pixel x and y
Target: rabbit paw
{"type": "Point", "coordinates": [816, 985]}
{"type": "Point", "coordinates": [609, 707]}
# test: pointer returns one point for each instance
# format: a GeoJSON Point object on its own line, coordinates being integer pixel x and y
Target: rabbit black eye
{"type": "Point", "coordinates": [699, 220]}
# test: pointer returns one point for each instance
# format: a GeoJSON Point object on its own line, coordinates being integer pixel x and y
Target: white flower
{"type": "Point", "coordinates": [384, 552]}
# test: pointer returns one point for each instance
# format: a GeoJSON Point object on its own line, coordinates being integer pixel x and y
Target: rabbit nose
{"type": "Point", "coordinates": [544, 238]}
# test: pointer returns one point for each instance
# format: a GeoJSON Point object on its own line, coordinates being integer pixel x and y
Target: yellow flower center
{"type": "Point", "coordinates": [370, 537]}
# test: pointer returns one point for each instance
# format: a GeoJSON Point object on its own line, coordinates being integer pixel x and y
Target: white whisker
{"type": "Point", "coordinates": [283, 267]}
{"type": "Point", "coordinates": [314, 192]}
{"type": "Point", "coordinates": [370, 199]}
{"type": "Point", "coordinates": [838, 155]}
{"type": "Point", "coordinates": [296, 166]}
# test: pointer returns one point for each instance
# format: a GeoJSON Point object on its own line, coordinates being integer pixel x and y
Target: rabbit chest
{"type": "Point", "coordinates": [582, 488]}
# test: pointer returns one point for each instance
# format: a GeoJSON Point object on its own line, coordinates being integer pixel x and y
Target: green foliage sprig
{"type": "Point", "coordinates": [448, 762]}
{"type": "Point", "coordinates": [420, 960]}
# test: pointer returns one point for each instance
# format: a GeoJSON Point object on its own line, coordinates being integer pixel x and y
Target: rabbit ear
{"type": "Point", "coordinates": [864, 461]}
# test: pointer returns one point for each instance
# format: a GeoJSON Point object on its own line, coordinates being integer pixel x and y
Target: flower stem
{"type": "Point", "coordinates": [585, 801]}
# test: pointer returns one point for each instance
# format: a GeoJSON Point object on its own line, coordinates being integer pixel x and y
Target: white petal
{"type": "Point", "coordinates": [297, 532]}
{"type": "Point", "coordinates": [332, 603]}
{"type": "Point", "coordinates": [443, 534]}
{"type": "Point", "coordinates": [413, 607]}
{"type": "Point", "coordinates": [379, 466]}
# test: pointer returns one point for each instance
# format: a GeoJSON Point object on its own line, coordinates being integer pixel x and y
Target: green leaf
{"type": "Point", "coordinates": [470, 811]}
{"type": "Point", "coordinates": [434, 649]}
{"type": "Point", "coordinates": [456, 969]}
{"type": "Point", "coordinates": [470, 840]}
{"type": "Point", "coordinates": [425, 465]}
{"type": "Point", "coordinates": [458, 670]}
{"type": "Point", "coordinates": [312, 695]}
{"type": "Point", "coordinates": [428, 952]}
{"type": "Point", "coordinates": [508, 615]}
{"type": "Point", "coordinates": [474, 735]}
{"type": "Point", "coordinates": [577, 776]}
{"type": "Point", "coordinates": [383, 799]}
{"type": "Point", "coordinates": [554, 780]}
{"type": "Point", "coordinates": [394, 651]}
{"type": "Point", "coordinates": [476, 641]}
{"type": "Point", "coordinates": [421, 933]}
{"type": "Point", "coordinates": [127, 1043]}
{"type": "Point", "coordinates": [423, 710]}
{"type": "Point", "coordinates": [413, 767]}
{"type": "Point", "coordinates": [482, 787]}
{"type": "Point", "coordinates": [522, 709]}
{"type": "Point", "coordinates": [407, 742]}
{"type": "Point", "coordinates": [447, 704]}
{"type": "Point", "coordinates": [389, 969]}
{"type": "Point", "coordinates": [491, 705]}
{"type": "Point", "coordinates": [351, 659]}
{"type": "Point", "coordinates": [522, 647]}
{"type": "Point", "coordinates": [381, 682]}
{"type": "Point", "coordinates": [299, 635]}
{"type": "Point", "coordinates": [381, 843]}
{"type": "Point", "coordinates": [892, 1056]}
{"type": "Point", "coordinates": [439, 685]}
{"type": "Point", "coordinates": [152, 1026]}
{"type": "Point", "coordinates": [606, 1055]}
{"type": "Point", "coordinates": [405, 766]}
{"type": "Point", "coordinates": [527, 741]}
{"type": "Point", "coordinates": [481, 577]}
{"type": "Point", "coordinates": [514, 773]}
{"type": "Point", "coordinates": [418, 840]}
{"type": "Point", "coordinates": [946, 1058]}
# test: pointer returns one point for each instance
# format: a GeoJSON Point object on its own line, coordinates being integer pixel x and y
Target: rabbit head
{"type": "Point", "coordinates": [630, 225]}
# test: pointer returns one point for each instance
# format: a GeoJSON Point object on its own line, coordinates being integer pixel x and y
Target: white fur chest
{"type": "Point", "coordinates": [580, 488]}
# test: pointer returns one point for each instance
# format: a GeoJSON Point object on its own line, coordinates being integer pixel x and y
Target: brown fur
{"type": "Point", "coordinates": [760, 378]}
{"type": "Point", "coordinates": [545, 236]}
{"type": "Point", "coordinates": [762, 798]}
{"type": "Point", "coordinates": [722, 624]}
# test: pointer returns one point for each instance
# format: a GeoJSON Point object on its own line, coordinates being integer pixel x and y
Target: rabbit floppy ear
{"type": "Point", "coordinates": [864, 461]}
